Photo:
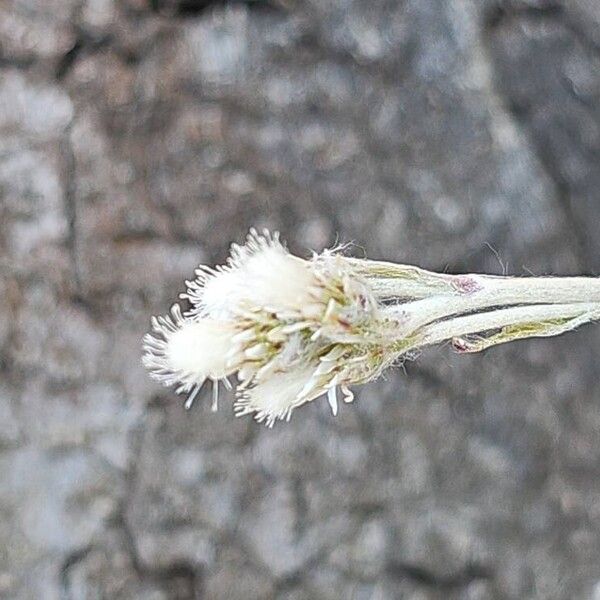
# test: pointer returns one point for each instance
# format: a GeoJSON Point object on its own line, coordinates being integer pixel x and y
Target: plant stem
{"type": "Point", "coordinates": [484, 292]}
{"type": "Point", "coordinates": [541, 319]}
{"type": "Point", "coordinates": [391, 280]}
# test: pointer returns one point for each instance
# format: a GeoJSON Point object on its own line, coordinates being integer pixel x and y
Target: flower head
{"type": "Point", "coordinates": [261, 274]}
{"type": "Point", "coordinates": [291, 329]}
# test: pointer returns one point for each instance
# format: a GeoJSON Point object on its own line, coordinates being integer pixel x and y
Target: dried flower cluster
{"type": "Point", "coordinates": [292, 330]}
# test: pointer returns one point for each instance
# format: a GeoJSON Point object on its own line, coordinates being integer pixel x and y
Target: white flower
{"type": "Point", "coordinates": [275, 397]}
{"type": "Point", "coordinates": [200, 347]}
{"type": "Point", "coordinates": [293, 330]}
{"type": "Point", "coordinates": [278, 395]}
{"type": "Point", "coordinates": [261, 274]}
{"type": "Point", "coordinates": [188, 351]}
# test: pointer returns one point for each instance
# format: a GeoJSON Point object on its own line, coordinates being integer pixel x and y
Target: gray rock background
{"type": "Point", "coordinates": [139, 138]}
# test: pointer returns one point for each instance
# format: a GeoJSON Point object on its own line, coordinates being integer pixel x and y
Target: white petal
{"type": "Point", "coordinates": [257, 351]}
{"type": "Point", "coordinates": [215, 396]}
{"type": "Point", "coordinates": [332, 399]}
{"type": "Point", "coordinates": [335, 354]}
{"type": "Point", "coordinates": [325, 367]}
{"type": "Point", "coordinates": [348, 394]}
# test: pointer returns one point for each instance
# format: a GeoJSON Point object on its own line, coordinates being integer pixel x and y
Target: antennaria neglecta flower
{"type": "Point", "coordinates": [291, 330]}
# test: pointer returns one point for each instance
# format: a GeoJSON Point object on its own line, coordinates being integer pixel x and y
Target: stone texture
{"type": "Point", "coordinates": [139, 138]}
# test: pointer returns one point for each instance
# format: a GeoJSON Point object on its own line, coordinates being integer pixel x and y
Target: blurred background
{"type": "Point", "coordinates": [138, 138]}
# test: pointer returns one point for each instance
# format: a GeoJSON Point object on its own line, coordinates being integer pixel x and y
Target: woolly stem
{"type": "Point", "coordinates": [515, 323]}
{"type": "Point", "coordinates": [391, 280]}
{"type": "Point", "coordinates": [479, 292]}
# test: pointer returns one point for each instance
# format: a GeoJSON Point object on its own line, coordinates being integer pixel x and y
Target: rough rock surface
{"type": "Point", "coordinates": [137, 139]}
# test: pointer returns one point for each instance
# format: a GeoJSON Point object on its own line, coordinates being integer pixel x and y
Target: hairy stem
{"type": "Point", "coordinates": [391, 280]}
{"type": "Point", "coordinates": [515, 323]}
{"type": "Point", "coordinates": [479, 292]}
